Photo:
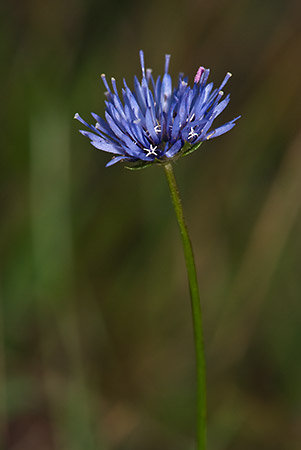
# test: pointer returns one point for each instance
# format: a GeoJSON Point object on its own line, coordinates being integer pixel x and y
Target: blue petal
{"type": "Point", "coordinates": [149, 77]}
{"type": "Point", "coordinates": [176, 127]}
{"type": "Point", "coordinates": [204, 130]}
{"type": "Point", "coordinates": [158, 93]}
{"type": "Point", "coordinates": [114, 127]}
{"type": "Point", "coordinates": [141, 54]}
{"type": "Point", "coordinates": [166, 91]}
{"type": "Point", "coordinates": [116, 159]}
{"type": "Point", "coordinates": [221, 106]}
{"type": "Point", "coordinates": [91, 136]}
{"type": "Point", "coordinates": [107, 147]}
{"type": "Point", "coordinates": [139, 95]}
{"type": "Point", "coordinates": [78, 117]}
{"type": "Point", "coordinates": [150, 126]}
{"type": "Point", "coordinates": [225, 80]}
{"type": "Point", "coordinates": [223, 129]}
{"type": "Point", "coordinates": [130, 99]}
{"type": "Point", "coordinates": [204, 77]}
{"type": "Point", "coordinates": [175, 148]}
{"type": "Point", "coordinates": [167, 60]}
{"type": "Point", "coordinates": [102, 127]}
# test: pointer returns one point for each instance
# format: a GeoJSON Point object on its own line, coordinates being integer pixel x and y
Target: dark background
{"type": "Point", "coordinates": [96, 346]}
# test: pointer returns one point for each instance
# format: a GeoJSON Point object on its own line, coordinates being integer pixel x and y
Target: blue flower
{"type": "Point", "coordinates": [155, 122]}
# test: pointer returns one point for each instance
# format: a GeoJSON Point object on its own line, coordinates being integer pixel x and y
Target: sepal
{"type": "Point", "coordinates": [138, 165]}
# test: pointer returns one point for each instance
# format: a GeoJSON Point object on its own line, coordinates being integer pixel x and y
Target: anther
{"type": "Point", "coordinates": [210, 135]}
{"type": "Point", "coordinates": [199, 73]}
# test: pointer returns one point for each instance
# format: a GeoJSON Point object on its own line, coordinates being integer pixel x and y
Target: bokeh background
{"type": "Point", "coordinates": [96, 349]}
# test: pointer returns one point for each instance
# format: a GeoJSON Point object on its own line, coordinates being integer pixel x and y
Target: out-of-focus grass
{"type": "Point", "coordinates": [95, 329]}
{"type": "Point", "coordinates": [67, 397]}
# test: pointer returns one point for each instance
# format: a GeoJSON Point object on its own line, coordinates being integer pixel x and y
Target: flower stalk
{"type": "Point", "coordinates": [196, 309]}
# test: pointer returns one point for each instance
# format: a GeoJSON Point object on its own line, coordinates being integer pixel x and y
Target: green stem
{"type": "Point", "coordinates": [196, 309]}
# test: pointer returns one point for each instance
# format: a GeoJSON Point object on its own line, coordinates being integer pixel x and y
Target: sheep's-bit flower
{"type": "Point", "coordinates": [156, 123]}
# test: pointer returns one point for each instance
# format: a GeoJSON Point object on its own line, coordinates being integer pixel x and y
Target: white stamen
{"type": "Point", "coordinates": [157, 128]}
{"type": "Point", "coordinates": [151, 151]}
{"type": "Point", "coordinates": [191, 134]}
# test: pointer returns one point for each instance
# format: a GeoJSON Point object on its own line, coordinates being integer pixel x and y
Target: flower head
{"type": "Point", "coordinates": [155, 122]}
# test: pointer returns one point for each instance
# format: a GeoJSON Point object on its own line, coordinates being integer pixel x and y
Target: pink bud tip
{"type": "Point", "coordinates": [199, 73]}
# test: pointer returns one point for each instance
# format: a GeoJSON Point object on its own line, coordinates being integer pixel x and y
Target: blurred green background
{"type": "Point", "coordinates": [96, 348]}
